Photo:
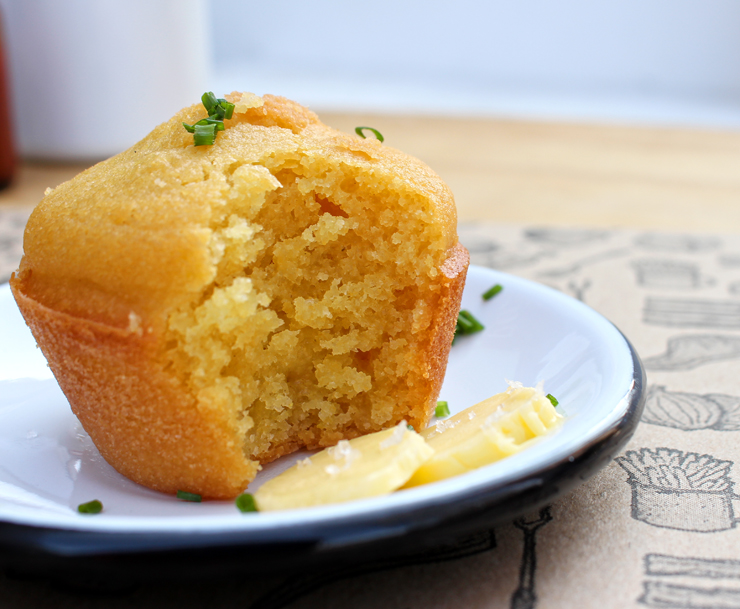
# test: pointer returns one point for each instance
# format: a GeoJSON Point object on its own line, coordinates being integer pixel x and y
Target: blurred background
{"type": "Point", "coordinates": [76, 63]}
{"type": "Point", "coordinates": [573, 112]}
{"type": "Point", "coordinates": [634, 60]}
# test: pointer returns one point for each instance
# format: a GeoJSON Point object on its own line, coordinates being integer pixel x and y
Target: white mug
{"type": "Point", "coordinates": [89, 78]}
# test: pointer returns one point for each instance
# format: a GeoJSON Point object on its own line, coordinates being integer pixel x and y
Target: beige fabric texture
{"type": "Point", "coordinates": [656, 528]}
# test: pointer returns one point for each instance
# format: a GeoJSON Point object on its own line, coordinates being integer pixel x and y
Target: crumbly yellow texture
{"type": "Point", "coordinates": [291, 273]}
{"type": "Point", "coordinates": [305, 330]}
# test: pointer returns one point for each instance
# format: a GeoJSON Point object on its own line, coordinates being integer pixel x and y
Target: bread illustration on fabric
{"type": "Point", "coordinates": [692, 313]}
{"type": "Point", "coordinates": [677, 242]}
{"type": "Point", "coordinates": [662, 274]}
{"type": "Point", "coordinates": [689, 351]}
{"type": "Point", "coordinates": [669, 592]}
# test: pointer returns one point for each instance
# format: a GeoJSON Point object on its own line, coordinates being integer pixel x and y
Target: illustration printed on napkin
{"type": "Point", "coordinates": [525, 596]}
{"type": "Point", "coordinates": [691, 411]}
{"type": "Point", "coordinates": [680, 490]}
{"type": "Point", "coordinates": [669, 274]}
{"type": "Point", "coordinates": [686, 582]}
{"type": "Point", "coordinates": [677, 243]}
{"type": "Point", "coordinates": [690, 351]}
{"type": "Point", "coordinates": [692, 313]}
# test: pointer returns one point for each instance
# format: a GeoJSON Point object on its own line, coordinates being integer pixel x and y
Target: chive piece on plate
{"type": "Point", "coordinates": [552, 399]}
{"type": "Point", "coordinates": [466, 324]}
{"type": "Point", "coordinates": [470, 323]}
{"type": "Point", "coordinates": [185, 496]}
{"type": "Point", "coordinates": [359, 131]}
{"type": "Point", "coordinates": [442, 410]}
{"type": "Point", "coordinates": [492, 292]}
{"type": "Point", "coordinates": [91, 507]}
{"type": "Point", "coordinates": [245, 503]}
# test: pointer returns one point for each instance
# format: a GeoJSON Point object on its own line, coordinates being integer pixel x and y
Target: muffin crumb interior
{"type": "Point", "coordinates": [322, 295]}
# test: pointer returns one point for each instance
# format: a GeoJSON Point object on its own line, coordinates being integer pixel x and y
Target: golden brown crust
{"type": "Point", "coordinates": [100, 311]}
{"type": "Point", "coordinates": [148, 427]}
{"type": "Point", "coordinates": [454, 271]}
{"type": "Point", "coordinates": [125, 199]}
{"type": "Point", "coordinates": [144, 424]}
{"type": "Point", "coordinates": [278, 112]}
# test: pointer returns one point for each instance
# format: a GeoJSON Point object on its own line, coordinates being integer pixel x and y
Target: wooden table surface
{"type": "Point", "coordinates": [543, 173]}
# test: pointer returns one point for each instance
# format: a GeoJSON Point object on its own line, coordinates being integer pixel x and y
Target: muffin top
{"type": "Point", "coordinates": [135, 232]}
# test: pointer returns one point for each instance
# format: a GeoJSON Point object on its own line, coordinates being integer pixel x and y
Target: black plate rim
{"type": "Point", "coordinates": [496, 502]}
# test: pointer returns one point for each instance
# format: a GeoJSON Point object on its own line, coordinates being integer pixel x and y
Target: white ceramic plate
{"type": "Point", "coordinates": [48, 465]}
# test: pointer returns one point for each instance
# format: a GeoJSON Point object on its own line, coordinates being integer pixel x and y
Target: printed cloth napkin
{"type": "Point", "coordinates": [655, 528]}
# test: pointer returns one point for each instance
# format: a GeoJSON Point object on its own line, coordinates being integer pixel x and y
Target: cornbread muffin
{"type": "Point", "coordinates": [207, 309]}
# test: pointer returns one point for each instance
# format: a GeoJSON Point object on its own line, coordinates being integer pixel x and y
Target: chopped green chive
{"type": "Point", "coordinates": [442, 410]}
{"type": "Point", "coordinates": [204, 135]}
{"type": "Point", "coordinates": [185, 496]}
{"type": "Point", "coordinates": [359, 131]}
{"type": "Point", "coordinates": [469, 323]}
{"type": "Point", "coordinates": [91, 507]}
{"type": "Point", "coordinates": [216, 122]}
{"type": "Point", "coordinates": [218, 112]}
{"type": "Point", "coordinates": [466, 324]}
{"type": "Point", "coordinates": [209, 101]}
{"type": "Point", "coordinates": [492, 292]}
{"type": "Point", "coordinates": [245, 503]}
{"type": "Point", "coordinates": [228, 107]}
{"type": "Point", "coordinates": [552, 399]}
{"type": "Point", "coordinates": [410, 427]}
{"type": "Point", "coordinates": [205, 130]}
